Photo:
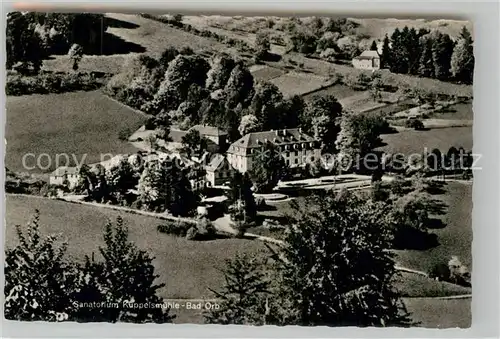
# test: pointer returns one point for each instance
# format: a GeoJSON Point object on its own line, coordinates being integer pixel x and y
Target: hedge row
{"type": "Point", "coordinates": [45, 83]}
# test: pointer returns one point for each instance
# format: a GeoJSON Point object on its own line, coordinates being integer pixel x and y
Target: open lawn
{"type": "Point", "coordinates": [414, 285]}
{"type": "Point", "coordinates": [461, 111]}
{"type": "Point", "coordinates": [265, 73]}
{"type": "Point", "coordinates": [187, 267]}
{"type": "Point", "coordinates": [338, 91]}
{"type": "Point", "coordinates": [438, 313]}
{"type": "Point", "coordinates": [298, 83]}
{"type": "Point", "coordinates": [455, 238]}
{"type": "Point", "coordinates": [411, 141]}
{"type": "Point", "coordinates": [89, 63]}
{"type": "Point", "coordinates": [80, 124]}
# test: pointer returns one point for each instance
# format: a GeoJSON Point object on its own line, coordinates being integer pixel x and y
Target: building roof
{"type": "Point", "coordinates": [216, 162]}
{"type": "Point", "coordinates": [176, 135]}
{"type": "Point", "coordinates": [62, 170]}
{"type": "Point", "coordinates": [277, 137]}
{"type": "Point", "coordinates": [204, 130]}
{"type": "Point", "coordinates": [208, 130]}
{"type": "Point", "coordinates": [368, 55]}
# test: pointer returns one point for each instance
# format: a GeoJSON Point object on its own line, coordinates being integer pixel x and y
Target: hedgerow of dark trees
{"type": "Point", "coordinates": [429, 54]}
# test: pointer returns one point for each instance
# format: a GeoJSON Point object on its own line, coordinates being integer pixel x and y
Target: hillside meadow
{"type": "Point", "coordinates": [83, 124]}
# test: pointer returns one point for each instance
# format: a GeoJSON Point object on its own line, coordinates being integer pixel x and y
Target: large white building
{"type": "Point", "coordinates": [369, 60]}
{"type": "Point", "coordinates": [296, 147]}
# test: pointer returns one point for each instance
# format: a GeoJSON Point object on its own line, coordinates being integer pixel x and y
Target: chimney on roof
{"type": "Point", "coordinates": [300, 130]}
{"type": "Point", "coordinates": [277, 132]}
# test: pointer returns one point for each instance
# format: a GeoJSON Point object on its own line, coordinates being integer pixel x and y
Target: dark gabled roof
{"type": "Point", "coordinates": [277, 137]}
{"type": "Point", "coordinates": [216, 162]}
{"type": "Point", "coordinates": [208, 130]}
{"type": "Point", "coordinates": [368, 55]}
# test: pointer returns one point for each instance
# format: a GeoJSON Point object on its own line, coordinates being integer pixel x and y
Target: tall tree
{"type": "Point", "coordinates": [441, 55]}
{"type": "Point", "coordinates": [373, 46]}
{"type": "Point", "coordinates": [426, 67]}
{"type": "Point", "coordinates": [220, 71]}
{"type": "Point", "coordinates": [413, 51]}
{"type": "Point", "coordinates": [262, 45]}
{"type": "Point", "coordinates": [321, 118]}
{"type": "Point", "coordinates": [164, 186]}
{"type": "Point", "coordinates": [267, 105]}
{"type": "Point", "coordinates": [194, 143]}
{"type": "Point", "coordinates": [125, 276]}
{"type": "Point", "coordinates": [359, 135]}
{"type": "Point", "coordinates": [386, 56]}
{"type": "Point", "coordinates": [239, 87]}
{"type": "Point", "coordinates": [241, 195]}
{"type": "Point", "coordinates": [397, 56]}
{"type": "Point", "coordinates": [243, 296]}
{"type": "Point", "coordinates": [23, 44]}
{"type": "Point", "coordinates": [39, 284]}
{"type": "Point", "coordinates": [268, 168]}
{"type": "Point", "coordinates": [462, 59]}
{"type": "Point", "coordinates": [330, 272]}
{"type": "Point", "coordinates": [121, 178]}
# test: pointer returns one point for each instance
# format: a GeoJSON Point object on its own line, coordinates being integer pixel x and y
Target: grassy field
{"type": "Point", "coordinates": [298, 83]}
{"type": "Point", "coordinates": [75, 123]}
{"type": "Point", "coordinates": [462, 111]}
{"type": "Point", "coordinates": [411, 141]}
{"type": "Point", "coordinates": [454, 239]}
{"type": "Point", "coordinates": [187, 267]}
{"type": "Point", "coordinates": [414, 285]}
{"type": "Point", "coordinates": [436, 313]}
{"type": "Point", "coordinates": [265, 73]}
{"type": "Point", "coordinates": [338, 91]}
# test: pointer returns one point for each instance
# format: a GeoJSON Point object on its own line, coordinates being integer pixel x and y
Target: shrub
{"type": "Point", "coordinates": [192, 233]}
{"type": "Point", "coordinates": [17, 84]}
{"type": "Point", "coordinates": [175, 228]}
{"type": "Point", "coordinates": [205, 230]}
{"type": "Point", "coordinates": [124, 134]}
{"type": "Point", "coordinates": [417, 124]}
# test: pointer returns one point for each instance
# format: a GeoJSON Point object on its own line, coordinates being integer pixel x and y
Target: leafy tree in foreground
{"type": "Point", "coordinates": [242, 299]}
{"type": "Point", "coordinates": [41, 285]}
{"type": "Point", "coordinates": [75, 53]}
{"type": "Point", "coordinates": [241, 195]}
{"type": "Point", "coordinates": [268, 168]}
{"type": "Point", "coordinates": [38, 282]}
{"type": "Point", "coordinates": [334, 267]}
{"type": "Point", "coordinates": [125, 276]}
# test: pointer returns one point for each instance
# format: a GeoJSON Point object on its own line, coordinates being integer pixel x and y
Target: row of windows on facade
{"type": "Point", "coordinates": [282, 148]}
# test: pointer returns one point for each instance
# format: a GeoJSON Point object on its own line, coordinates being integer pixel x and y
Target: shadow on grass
{"type": "Point", "coordinates": [266, 208]}
{"type": "Point", "coordinates": [436, 207]}
{"type": "Point", "coordinates": [435, 223]}
{"type": "Point", "coordinates": [272, 57]}
{"type": "Point", "coordinates": [408, 238]}
{"type": "Point", "coordinates": [436, 188]}
{"type": "Point", "coordinates": [111, 22]}
{"type": "Point", "coordinates": [113, 44]}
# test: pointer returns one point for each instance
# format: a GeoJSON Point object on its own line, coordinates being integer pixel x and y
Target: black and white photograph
{"type": "Point", "coordinates": [185, 168]}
